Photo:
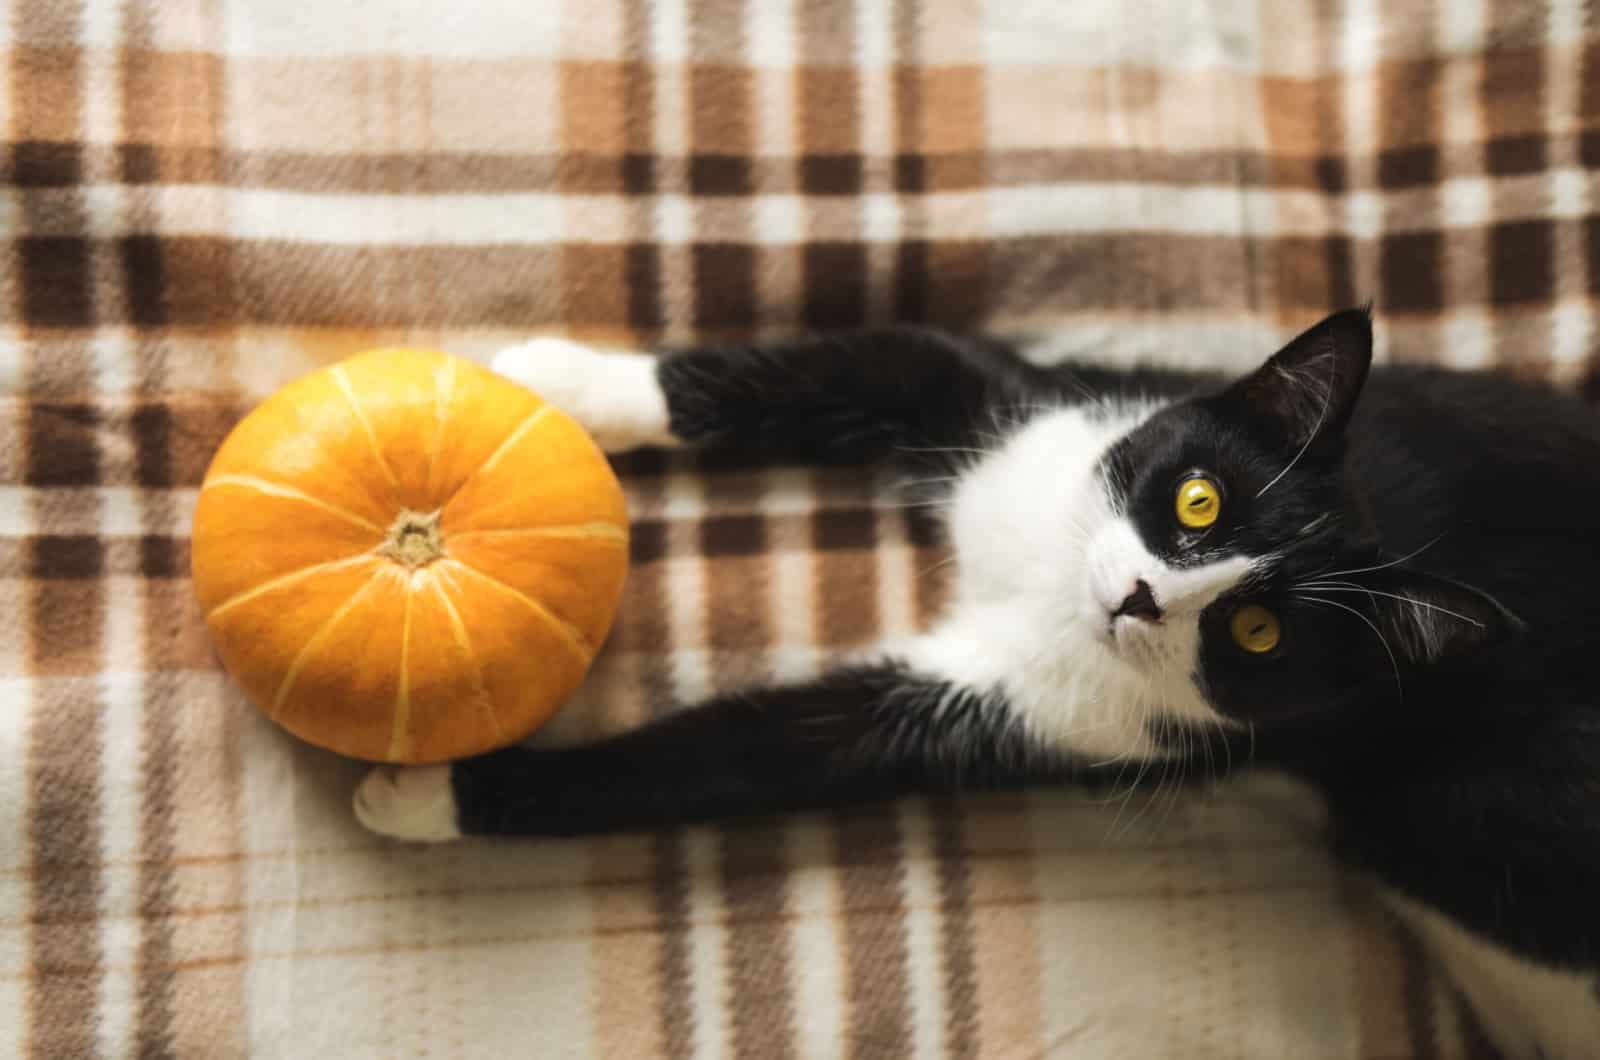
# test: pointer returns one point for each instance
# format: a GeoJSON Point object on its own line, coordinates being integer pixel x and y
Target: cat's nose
{"type": "Point", "coordinates": [1141, 604]}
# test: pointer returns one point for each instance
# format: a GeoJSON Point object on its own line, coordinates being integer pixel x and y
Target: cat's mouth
{"type": "Point", "coordinates": [1134, 640]}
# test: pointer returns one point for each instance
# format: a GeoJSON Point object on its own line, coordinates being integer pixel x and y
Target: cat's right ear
{"type": "Point", "coordinates": [1306, 391]}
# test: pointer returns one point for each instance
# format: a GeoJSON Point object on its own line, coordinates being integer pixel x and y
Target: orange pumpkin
{"type": "Point", "coordinates": [407, 558]}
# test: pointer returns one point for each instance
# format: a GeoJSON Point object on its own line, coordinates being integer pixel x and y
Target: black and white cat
{"type": "Point", "coordinates": [1396, 599]}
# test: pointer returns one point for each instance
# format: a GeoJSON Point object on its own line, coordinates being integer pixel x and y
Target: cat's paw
{"type": "Point", "coordinates": [415, 803]}
{"type": "Point", "coordinates": [616, 396]}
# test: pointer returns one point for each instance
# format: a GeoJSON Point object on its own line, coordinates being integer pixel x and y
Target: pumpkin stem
{"type": "Point", "coordinates": [413, 539]}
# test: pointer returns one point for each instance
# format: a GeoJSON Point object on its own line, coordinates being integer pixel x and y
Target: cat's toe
{"type": "Point", "coordinates": [414, 803]}
{"type": "Point", "coordinates": [615, 395]}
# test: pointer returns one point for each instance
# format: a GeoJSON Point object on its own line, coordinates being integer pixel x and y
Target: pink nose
{"type": "Point", "coordinates": [1140, 604]}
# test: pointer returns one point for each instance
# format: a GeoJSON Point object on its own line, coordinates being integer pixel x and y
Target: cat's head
{"type": "Point", "coordinates": [1236, 554]}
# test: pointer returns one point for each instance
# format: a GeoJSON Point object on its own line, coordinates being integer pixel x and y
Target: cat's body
{"type": "Point", "coordinates": [1393, 598]}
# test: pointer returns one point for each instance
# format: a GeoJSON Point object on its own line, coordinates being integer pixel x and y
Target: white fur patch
{"type": "Point", "coordinates": [1043, 558]}
{"type": "Point", "coordinates": [414, 803]}
{"type": "Point", "coordinates": [1528, 1010]}
{"type": "Point", "coordinates": [615, 395]}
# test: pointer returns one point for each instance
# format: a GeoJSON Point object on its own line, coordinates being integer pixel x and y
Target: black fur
{"type": "Point", "coordinates": [859, 733]}
{"type": "Point", "coordinates": [1460, 752]}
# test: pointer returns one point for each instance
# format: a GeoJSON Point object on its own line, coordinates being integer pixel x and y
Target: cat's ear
{"type": "Point", "coordinates": [1425, 618]}
{"type": "Point", "coordinates": [1307, 390]}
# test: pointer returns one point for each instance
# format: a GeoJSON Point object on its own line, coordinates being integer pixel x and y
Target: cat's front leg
{"type": "Point", "coordinates": [842, 397]}
{"type": "Point", "coordinates": [860, 733]}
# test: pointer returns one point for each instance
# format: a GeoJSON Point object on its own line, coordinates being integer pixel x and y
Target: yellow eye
{"type": "Point", "coordinates": [1255, 629]}
{"type": "Point", "coordinates": [1199, 502]}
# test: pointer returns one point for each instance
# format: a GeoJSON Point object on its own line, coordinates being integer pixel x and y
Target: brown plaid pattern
{"type": "Point", "coordinates": [203, 199]}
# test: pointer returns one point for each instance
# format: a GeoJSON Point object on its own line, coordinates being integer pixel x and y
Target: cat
{"type": "Point", "coordinates": [1384, 581]}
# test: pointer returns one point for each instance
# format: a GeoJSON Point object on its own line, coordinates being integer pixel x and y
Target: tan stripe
{"type": "Point", "coordinates": [278, 489]}
{"type": "Point", "coordinates": [1381, 987]}
{"type": "Point", "coordinates": [570, 635]}
{"type": "Point", "coordinates": [629, 948]}
{"type": "Point", "coordinates": [756, 897]}
{"type": "Point", "coordinates": [1417, 994]}
{"type": "Point", "coordinates": [341, 377]}
{"type": "Point", "coordinates": [846, 569]}
{"type": "Point", "coordinates": [873, 912]}
{"type": "Point", "coordinates": [1001, 891]}
{"type": "Point", "coordinates": [207, 998]}
{"type": "Point", "coordinates": [638, 945]}
{"type": "Point", "coordinates": [958, 943]}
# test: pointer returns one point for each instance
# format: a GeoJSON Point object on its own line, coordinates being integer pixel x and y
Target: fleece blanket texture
{"type": "Point", "coordinates": [203, 199]}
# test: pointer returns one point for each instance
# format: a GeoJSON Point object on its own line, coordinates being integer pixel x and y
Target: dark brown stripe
{"type": "Point", "coordinates": [83, 556]}
{"type": "Point", "coordinates": [835, 284]}
{"type": "Point", "coordinates": [64, 617]}
{"type": "Point", "coordinates": [324, 285]}
{"type": "Point", "coordinates": [63, 766]}
{"type": "Point", "coordinates": [732, 535]}
{"type": "Point", "coordinates": [643, 267]}
{"type": "Point", "coordinates": [956, 934]}
{"type": "Point", "coordinates": [874, 932]}
{"type": "Point", "coordinates": [671, 889]}
{"type": "Point", "coordinates": [1411, 272]}
{"type": "Point", "coordinates": [158, 905]}
{"type": "Point", "coordinates": [912, 294]}
{"type": "Point", "coordinates": [1522, 262]}
{"type": "Point", "coordinates": [759, 962]}
{"type": "Point", "coordinates": [75, 557]}
{"type": "Point", "coordinates": [725, 284]}
{"type": "Point", "coordinates": [62, 445]}
{"type": "Point", "coordinates": [825, 174]}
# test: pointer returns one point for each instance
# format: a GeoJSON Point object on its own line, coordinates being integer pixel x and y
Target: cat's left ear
{"type": "Point", "coordinates": [1307, 390]}
{"type": "Point", "coordinates": [1425, 618]}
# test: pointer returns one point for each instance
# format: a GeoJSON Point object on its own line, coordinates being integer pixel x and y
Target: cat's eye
{"type": "Point", "coordinates": [1199, 502]}
{"type": "Point", "coordinates": [1255, 629]}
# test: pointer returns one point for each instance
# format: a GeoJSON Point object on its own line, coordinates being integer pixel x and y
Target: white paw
{"type": "Point", "coordinates": [415, 803]}
{"type": "Point", "coordinates": [614, 395]}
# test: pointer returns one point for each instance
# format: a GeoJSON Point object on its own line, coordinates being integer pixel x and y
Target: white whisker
{"type": "Point", "coordinates": [1381, 638]}
{"type": "Point", "coordinates": [1381, 566]}
{"type": "Point", "coordinates": [1327, 403]}
{"type": "Point", "coordinates": [1327, 588]}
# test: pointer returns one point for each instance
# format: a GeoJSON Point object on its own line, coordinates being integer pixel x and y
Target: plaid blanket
{"type": "Point", "coordinates": [203, 200]}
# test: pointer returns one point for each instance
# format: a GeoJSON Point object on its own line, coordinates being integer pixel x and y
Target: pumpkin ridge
{"type": "Point", "coordinates": [458, 629]}
{"type": "Point", "coordinates": [402, 690]}
{"type": "Point", "coordinates": [293, 673]}
{"type": "Point", "coordinates": [595, 531]}
{"type": "Point", "coordinates": [279, 489]}
{"type": "Point", "coordinates": [510, 440]}
{"type": "Point", "coordinates": [571, 634]}
{"type": "Point", "coordinates": [244, 596]}
{"type": "Point", "coordinates": [343, 381]}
